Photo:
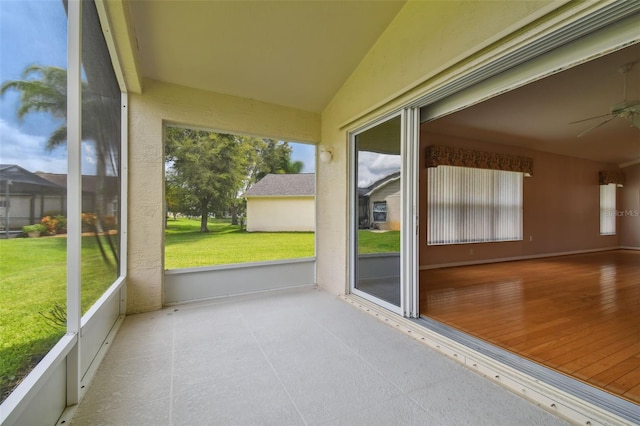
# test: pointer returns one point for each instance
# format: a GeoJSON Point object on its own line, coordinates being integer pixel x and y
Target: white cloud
{"type": "Point", "coordinates": [28, 151]}
{"type": "Point", "coordinates": [373, 166]}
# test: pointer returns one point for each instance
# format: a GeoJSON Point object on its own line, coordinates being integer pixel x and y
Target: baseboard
{"type": "Point", "coordinates": [629, 248]}
{"type": "Point", "coordinates": [514, 258]}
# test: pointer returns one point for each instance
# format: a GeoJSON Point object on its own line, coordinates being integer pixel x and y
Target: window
{"type": "Point", "coordinates": [236, 199]}
{"type": "Point", "coordinates": [467, 205]}
{"type": "Point", "coordinates": [380, 211]}
{"type": "Point", "coordinates": [608, 209]}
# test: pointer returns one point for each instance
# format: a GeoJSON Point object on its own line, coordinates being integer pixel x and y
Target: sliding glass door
{"type": "Point", "coordinates": [382, 213]}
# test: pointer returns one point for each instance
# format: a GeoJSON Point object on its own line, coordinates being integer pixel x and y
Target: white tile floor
{"type": "Point", "coordinates": [297, 357]}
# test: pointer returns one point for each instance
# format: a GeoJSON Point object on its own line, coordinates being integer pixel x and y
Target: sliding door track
{"type": "Point", "coordinates": [616, 405]}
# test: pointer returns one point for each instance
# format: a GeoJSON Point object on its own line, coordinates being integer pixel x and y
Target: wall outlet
{"type": "Point", "coordinates": [471, 252]}
{"type": "Point", "coordinates": [530, 238]}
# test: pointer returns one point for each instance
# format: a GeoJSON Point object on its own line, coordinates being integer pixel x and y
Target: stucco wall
{"type": "Point", "coordinates": [425, 45]}
{"type": "Point", "coordinates": [281, 214]}
{"type": "Point", "coordinates": [162, 103]}
{"type": "Point", "coordinates": [391, 194]}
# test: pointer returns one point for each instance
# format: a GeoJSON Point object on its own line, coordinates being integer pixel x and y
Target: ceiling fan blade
{"type": "Point", "coordinates": [590, 118]}
{"type": "Point", "coordinates": [597, 125]}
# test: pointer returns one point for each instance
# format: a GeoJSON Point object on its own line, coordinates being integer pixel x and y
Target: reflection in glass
{"type": "Point", "coordinates": [33, 105]}
{"type": "Point", "coordinates": [100, 163]}
{"type": "Point", "coordinates": [378, 179]}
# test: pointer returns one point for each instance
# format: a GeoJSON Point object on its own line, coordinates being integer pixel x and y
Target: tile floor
{"type": "Point", "coordinates": [296, 357]}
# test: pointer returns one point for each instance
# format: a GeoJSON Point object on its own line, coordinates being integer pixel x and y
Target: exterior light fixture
{"type": "Point", "coordinates": [326, 154]}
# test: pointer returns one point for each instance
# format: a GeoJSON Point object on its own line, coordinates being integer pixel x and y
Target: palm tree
{"type": "Point", "coordinates": [47, 92]}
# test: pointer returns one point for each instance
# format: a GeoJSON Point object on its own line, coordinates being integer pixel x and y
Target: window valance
{"type": "Point", "coordinates": [611, 176]}
{"type": "Point", "coordinates": [437, 155]}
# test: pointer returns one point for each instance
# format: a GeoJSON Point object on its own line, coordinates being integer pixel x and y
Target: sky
{"type": "Point", "coordinates": [31, 32]}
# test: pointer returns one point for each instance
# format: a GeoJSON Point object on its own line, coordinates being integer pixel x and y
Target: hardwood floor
{"type": "Point", "coordinates": [579, 315]}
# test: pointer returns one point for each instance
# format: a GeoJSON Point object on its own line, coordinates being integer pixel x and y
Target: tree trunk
{"type": "Point", "coordinates": [204, 219]}
{"type": "Point", "coordinates": [234, 214]}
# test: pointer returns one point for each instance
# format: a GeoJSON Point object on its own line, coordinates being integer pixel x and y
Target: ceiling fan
{"type": "Point", "coordinates": [629, 110]}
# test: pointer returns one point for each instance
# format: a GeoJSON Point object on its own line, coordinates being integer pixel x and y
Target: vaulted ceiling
{"type": "Point", "coordinates": [291, 53]}
{"type": "Point", "coordinates": [299, 53]}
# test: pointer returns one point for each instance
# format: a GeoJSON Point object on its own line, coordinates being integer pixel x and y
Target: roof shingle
{"type": "Point", "coordinates": [284, 185]}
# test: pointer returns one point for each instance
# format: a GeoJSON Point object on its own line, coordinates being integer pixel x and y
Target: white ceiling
{"type": "Point", "coordinates": [537, 116]}
{"type": "Point", "coordinates": [299, 53]}
{"type": "Point", "coordinates": [292, 53]}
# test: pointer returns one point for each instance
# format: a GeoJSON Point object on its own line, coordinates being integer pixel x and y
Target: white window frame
{"type": "Point", "coordinates": [373, 211]}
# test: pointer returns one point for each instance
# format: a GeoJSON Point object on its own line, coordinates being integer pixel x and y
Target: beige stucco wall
{"type": "Point", "coordinates": [281, 214]}
{"type": "Point", "coordinates": [391, 194]}
{"type": "Point", "coordinates": [428, 44]}
{"type": "Point", "coordinates": [160, 103]}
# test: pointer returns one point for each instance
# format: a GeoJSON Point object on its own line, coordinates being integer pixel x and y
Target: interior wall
{"type": "Point", "coordinates": [561, 207]}
{"type": "Point", "coordinates": [629, 202]}
{"type": "Point", "coordinates": [162, 103]}
{"type": "Point", "coordinates": [420, 43]}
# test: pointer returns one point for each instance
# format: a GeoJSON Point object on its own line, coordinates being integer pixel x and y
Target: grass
{"type": "Point", "coordinates": [32, 282]}
{"type": "Point", "coordinates": [33, 277]}
{"type": "Point", "coordinates": [186, 247]}
{"type": "Point", "coordinates": [378, 242]}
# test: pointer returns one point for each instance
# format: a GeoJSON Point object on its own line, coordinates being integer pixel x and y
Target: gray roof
{"type": "Point", "coordinates": [284, 185]}
{"type": "Point", "coordinates": [377, 184]}
{"type": "Point", "coordinates": [17, 175]}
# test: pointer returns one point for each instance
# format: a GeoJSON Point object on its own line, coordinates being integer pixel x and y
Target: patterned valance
{"type": "Point", "coordinates": [611, 176]}
{"type": "Point", "coordinates": [461, 157]}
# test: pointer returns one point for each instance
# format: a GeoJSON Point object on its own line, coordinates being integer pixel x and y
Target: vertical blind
{"type": "Point", "coordinates": [608, 209]}
{"type": "Point", "coordinates": [468, 205]}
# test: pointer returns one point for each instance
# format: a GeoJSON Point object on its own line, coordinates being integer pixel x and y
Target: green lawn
{"type": "Point", "coordinates": [32, 281]}
{"type": "Point", "coordinates": [186, 247]}
{"type": "Point", "coordinates": [33, 277]}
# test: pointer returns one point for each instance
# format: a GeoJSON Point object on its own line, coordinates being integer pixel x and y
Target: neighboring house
{"type": "Point", "coordinates": [25, 197]}
{"type": "Point", "coordinates": [379, 204]}
{"type": "Point", "coordinates": [282, 202]}
{"type": "Point", "coordinates": [90, 189]}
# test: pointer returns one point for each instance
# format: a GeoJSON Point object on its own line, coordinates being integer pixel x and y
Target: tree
{"type": "Point", "coordinates": [208, 172]}
{"type": "Point", "coordinates": [44, 89]}
{"type": "Point", "coordinates": [271, 157]}
{"type": "Point", "coordinates": [208, 168]}
{"type": "Point", "coordinates": [45, 94]}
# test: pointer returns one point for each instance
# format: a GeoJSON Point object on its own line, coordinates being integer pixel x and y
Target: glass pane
{"type": "Point", "coordinates": [33, 167]}
{"type": "Point", "coordinates": [100, 162]}
{"type": "Point", "coordinates": [237, 199]}
{"type": "Point", "coordinates": [378, 175]}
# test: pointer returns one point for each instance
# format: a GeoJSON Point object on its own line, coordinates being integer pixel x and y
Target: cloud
{"type": "Point", "coordinates": [28, 151]}
{"type": "Point", "coordinates": [373, 167]}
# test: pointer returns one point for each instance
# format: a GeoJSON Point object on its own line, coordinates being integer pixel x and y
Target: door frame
{"type": "Point", "coordinates": [409, 146]}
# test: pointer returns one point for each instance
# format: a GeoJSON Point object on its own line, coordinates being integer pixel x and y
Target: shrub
{"type": "Point", "coordinates": [55, 225]}
{"type": "Point", "coordinates": [38, 227]}
{"type": "Point", "coordinates": [61, 224]}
